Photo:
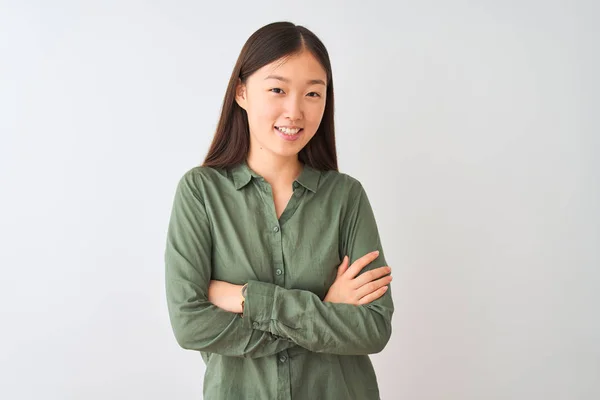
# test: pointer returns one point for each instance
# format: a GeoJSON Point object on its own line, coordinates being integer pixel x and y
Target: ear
{"type": "Point", "coordinates": [240, 94]}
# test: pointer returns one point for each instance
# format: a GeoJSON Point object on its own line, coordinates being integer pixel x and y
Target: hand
{"type": "Point", "coordinates": [226, 296]}
{"type": "Point", "coordinates": [350, 289]}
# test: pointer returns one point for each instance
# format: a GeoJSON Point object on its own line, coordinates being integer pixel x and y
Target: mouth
{"type": "Point", "coordinates": [289, 134]}
{"type": "Point", "coordinates": [288, 131]}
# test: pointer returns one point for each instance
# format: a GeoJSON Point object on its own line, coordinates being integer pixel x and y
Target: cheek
{"type": "Point", "coordinates": [315, 114]}
{"type": "Point", "coordinates": [267, 112]}
{"type": "Point", "coordinates": [261, 118]}
{"type": "Point", "coordinates": [261, 112]}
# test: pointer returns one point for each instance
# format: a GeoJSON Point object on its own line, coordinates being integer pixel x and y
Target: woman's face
{"type": "Point", "coordinates": [280, 98]}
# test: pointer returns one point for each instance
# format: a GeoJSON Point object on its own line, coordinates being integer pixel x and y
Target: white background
{"type": "Point", "coordinates": [472, 125]}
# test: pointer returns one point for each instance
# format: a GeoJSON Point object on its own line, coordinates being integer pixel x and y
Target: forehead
{"type": "Point", "coordinates": [297, 68]}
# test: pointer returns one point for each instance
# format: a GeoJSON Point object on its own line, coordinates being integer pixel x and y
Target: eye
{"type": "Point", "coordinates": [276, 90]}
{"type": "Point", "coordinates": [314, 94]}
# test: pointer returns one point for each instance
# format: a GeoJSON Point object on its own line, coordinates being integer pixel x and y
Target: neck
{"type": "Point", "coordinates": [276, 170]}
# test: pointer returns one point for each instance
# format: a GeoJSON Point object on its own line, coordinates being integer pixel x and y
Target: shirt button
{"type": "Point", "coordinates": [283, 359]}
{"type": "Point", "coordinates": [255, 324]}
{"type": "Point", "coordinates": [295, 185]}
{"type": "Point", "coordinates": [278, 271]}
{"type": "Point", "coordinates": [276, 229]}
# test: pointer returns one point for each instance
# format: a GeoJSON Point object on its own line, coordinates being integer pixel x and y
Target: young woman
{"type": "Point", "coordinates": [274, 266]}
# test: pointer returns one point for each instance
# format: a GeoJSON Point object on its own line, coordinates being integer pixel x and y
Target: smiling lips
{"type": "Point", "coordinates": [289, 134]}
{"type": "Point", "coordinates": [288, 131]}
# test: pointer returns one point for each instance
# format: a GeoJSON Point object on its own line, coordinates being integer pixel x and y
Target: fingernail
{"type": "Point", "coordinates": [376, 252]}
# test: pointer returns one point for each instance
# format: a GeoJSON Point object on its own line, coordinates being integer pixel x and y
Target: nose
{"type": "Point", "coordinates": [294, 108]}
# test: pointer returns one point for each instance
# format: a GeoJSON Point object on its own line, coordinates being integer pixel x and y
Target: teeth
{"type": "Point", "coordinates": [288, 131]}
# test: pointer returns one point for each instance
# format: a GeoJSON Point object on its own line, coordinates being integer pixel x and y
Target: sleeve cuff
{"type": "Point", "coordinates": [258, 306]}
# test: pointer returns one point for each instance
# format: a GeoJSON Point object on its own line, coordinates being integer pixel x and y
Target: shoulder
{"type": "Point", "coordinates": [200, 179]}
{"type": "Point", "coordinates": [204, 173]}
{"type": "Point", "coordinates": [343, 191]}
{"type": "Point", "coordinates": [341, 182]}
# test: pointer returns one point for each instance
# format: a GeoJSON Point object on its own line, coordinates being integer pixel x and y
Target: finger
{"type": "Point", "coordinates": [371, 275]}
{"type": "Point", "coordinates": [343, 266]}
{"type": "Point", "coordinates": [373, 286]}
{"type": "Point", "coordinates": [362, 262]}
{"type": "Point", "coordinates": [373, 296]}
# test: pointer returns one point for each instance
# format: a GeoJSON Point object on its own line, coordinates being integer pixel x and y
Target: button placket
{"type": "Point", "coordinates": [283, 383]}
{"type": "Point", "coordinates": [278, 255]}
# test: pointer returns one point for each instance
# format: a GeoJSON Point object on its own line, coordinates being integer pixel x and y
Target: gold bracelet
{"type": "Point", "coordinates": [243, 292]}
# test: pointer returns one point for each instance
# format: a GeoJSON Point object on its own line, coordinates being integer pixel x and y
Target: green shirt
{"type": "Point", "coordinates": [289, 344]}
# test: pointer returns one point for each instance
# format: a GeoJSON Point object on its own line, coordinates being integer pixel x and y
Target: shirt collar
{"type": "Point", "coordinates": [242, 175]}
{"type": "Point", "coordinates": [309, 178]}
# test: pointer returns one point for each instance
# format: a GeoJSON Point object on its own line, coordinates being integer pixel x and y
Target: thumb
{"type": "Point", "coordinates": [343, 266]}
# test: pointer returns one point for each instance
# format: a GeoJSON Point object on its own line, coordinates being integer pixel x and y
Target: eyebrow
{"type": "Point", "coordinates": [310, 81]}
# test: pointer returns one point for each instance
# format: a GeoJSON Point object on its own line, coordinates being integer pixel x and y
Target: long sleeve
{"type": "Point", "coordinates": [197, 323]}
{"type": "Point", "coordinates": [321, 326]}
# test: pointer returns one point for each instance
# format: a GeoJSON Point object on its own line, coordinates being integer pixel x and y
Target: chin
{"type": "Point", "coordinates": [287, 153]}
